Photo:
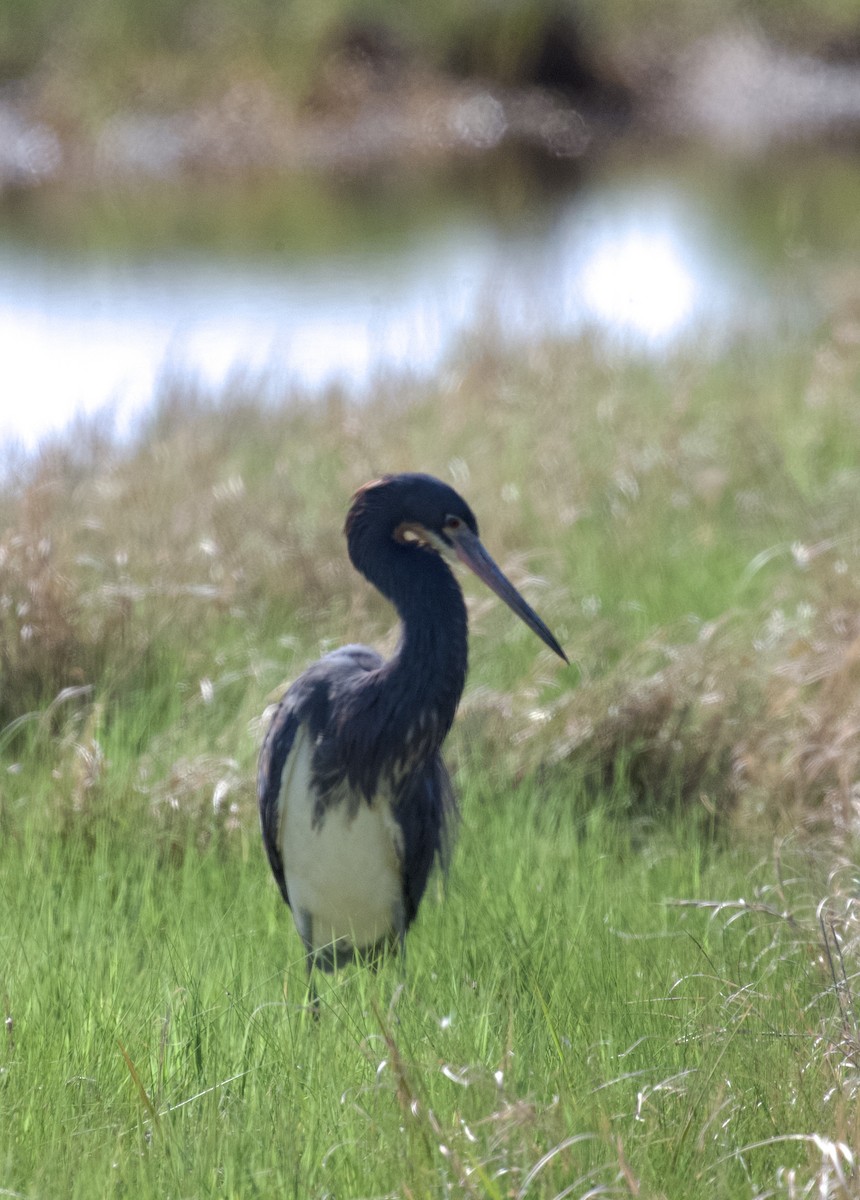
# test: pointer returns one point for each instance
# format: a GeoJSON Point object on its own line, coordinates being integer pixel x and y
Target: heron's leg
{"type": "Point", "coordinates": [399, 921]}
{"type": "Point", "coordinates": [305, 926]}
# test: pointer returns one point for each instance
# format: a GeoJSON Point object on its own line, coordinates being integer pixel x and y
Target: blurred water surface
{"type": "Point", "coordinates": [650, 254]}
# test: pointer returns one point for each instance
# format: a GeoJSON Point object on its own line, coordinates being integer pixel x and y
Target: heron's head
{"type": "Point", "coordinates": [421, 511]}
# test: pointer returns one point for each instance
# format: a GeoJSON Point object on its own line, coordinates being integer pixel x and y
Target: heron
{"type": "Point", "coordinates": [356, 804]}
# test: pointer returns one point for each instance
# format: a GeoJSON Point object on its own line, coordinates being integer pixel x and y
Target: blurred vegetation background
{"type": "Point", "coordinates": [86, 58]}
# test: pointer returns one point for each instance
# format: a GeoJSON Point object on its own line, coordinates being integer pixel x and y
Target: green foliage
{"type": "Point", "coordinates": [563, 1021]}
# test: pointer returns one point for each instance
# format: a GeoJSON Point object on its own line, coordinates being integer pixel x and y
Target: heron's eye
{"type": "Point", "coordinates": [453, 523]}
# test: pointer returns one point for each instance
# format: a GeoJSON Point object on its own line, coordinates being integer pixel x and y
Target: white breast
{"type": "Point", "coordinates": [345, 872]}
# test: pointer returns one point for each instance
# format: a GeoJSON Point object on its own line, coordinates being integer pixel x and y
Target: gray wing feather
{"type": "Point", "coordinates": [428, 815]}
{"type": "Point", "coordinates": [308, 700]}
{"type": "Point", "coordinates": [273, 756]}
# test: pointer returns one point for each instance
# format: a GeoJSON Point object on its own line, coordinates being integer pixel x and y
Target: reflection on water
{"type": "Point", "coordinates": [644, 270]}
{"type": "Point", "coordinates": [638, 281]}
{"type": "Point", "coordinates": [638, 264]}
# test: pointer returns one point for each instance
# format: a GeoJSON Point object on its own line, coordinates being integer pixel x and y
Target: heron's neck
{"type": "Point", "coordinates": [425, 676]}
{"type": "Point", "coordinates": [433, 648]}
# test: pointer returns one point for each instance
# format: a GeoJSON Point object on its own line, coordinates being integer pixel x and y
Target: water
{"type": "Point", "coordinates": [646, 259]}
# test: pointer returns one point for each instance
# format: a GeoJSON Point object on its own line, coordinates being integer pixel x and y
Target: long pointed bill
{"type": "Point", "coordinates": [470, 550]}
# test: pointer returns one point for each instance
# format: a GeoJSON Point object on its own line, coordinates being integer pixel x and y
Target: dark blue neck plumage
{"type": "Point", "coordinates": [432, 657]}
{"type": "Point", "coordinates": [418, 689]}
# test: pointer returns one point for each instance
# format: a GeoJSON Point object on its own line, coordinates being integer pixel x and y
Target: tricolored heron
{"type": "Point", "coordinates": [355, 801]}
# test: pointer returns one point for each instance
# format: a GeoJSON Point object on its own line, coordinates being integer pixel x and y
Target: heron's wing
{"type": "Point", "coordinates": [428, 814]}
{"type": "Point", "coordinates": [273, 757]}
{"type": "Point", "coordinates": [307, 702]}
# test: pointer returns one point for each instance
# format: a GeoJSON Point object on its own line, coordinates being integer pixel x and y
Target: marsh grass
{"type": "Point", "coordinates": [582, 1016]}
{"type": "Point", "coordinates": [626, 990]}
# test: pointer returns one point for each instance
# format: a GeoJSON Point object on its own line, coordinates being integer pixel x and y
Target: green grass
{"type": "Point", "coordinates": [576, 1014]}
{"type": "Point", "coordinates": [557, 1004]}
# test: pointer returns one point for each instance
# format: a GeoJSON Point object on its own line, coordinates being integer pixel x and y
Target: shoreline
{"type": "Point", "coordinates": [735, 91]}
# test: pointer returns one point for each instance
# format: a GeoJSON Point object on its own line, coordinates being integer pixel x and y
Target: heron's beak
{"type": "Point", "coordinates": [470, 550]}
